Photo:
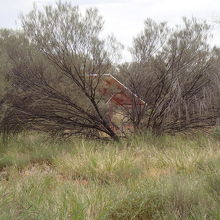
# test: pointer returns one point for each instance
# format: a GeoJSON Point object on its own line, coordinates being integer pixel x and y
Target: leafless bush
{"type": "Point", "coordinates": [174, 71]}
{"type": "Point", "coordinates": [52, 71]}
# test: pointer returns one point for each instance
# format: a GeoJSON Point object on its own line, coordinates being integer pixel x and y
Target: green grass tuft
{"type": "Point", "coordinates": [142, 177]}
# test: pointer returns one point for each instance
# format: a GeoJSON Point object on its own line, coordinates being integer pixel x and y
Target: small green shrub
{"type": "Point", "coordinates": [144, 204]}
{"type": "Point", "coordinates": [216, 132]}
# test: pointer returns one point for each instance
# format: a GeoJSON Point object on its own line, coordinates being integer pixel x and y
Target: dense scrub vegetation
{"type": "Point", "coordinates": [50, 74]}
{"type": "Point", "coordinates": [170, 177]}
{"type": "Point", "coordinates": [47, 75]}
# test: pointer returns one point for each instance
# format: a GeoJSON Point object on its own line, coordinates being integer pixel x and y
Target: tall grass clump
{"type": "Point", "coordinates": [141, 177]}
